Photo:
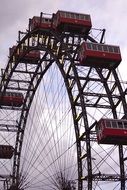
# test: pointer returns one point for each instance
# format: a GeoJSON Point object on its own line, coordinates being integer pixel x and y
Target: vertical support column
{"type": "Point", "coordinates": [122, 173]}
{"type": "Point", "coordinates": [89, 164]}
{"type": "Point", "coordinates": [121, 157]}
{"type": "Point", "coordinates": [84, 115]}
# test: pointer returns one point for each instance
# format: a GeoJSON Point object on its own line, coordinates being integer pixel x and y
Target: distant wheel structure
{"type": "Point", "coordinates": [91, 93]}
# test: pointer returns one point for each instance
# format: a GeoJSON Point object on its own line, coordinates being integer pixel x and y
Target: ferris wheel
{"type": "Point", "coordinates": [63, 109]}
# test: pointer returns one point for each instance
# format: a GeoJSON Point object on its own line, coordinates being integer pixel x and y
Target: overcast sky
{"type": "Point", "coordinates": [111, 15]}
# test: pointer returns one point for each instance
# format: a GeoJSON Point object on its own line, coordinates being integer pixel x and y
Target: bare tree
{"type": "Point", "coordinates": [63, 183]}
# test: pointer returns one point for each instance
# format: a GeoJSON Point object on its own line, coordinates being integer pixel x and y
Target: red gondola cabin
{"type": "Point", "coordinates": [40, 23]}
{"type": "Point", "coordinates": [6, 151]}
{"type": "Point", "coordinates": [99, 55]}
{"type": "Point", "coordinates": [32, 57]}
{"type": "Point", "coordinates": [72, 22]}
{"type": "Point", "coordinates": [14, 99]}
{"type": "Point", "coordinates": [112, 131]}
